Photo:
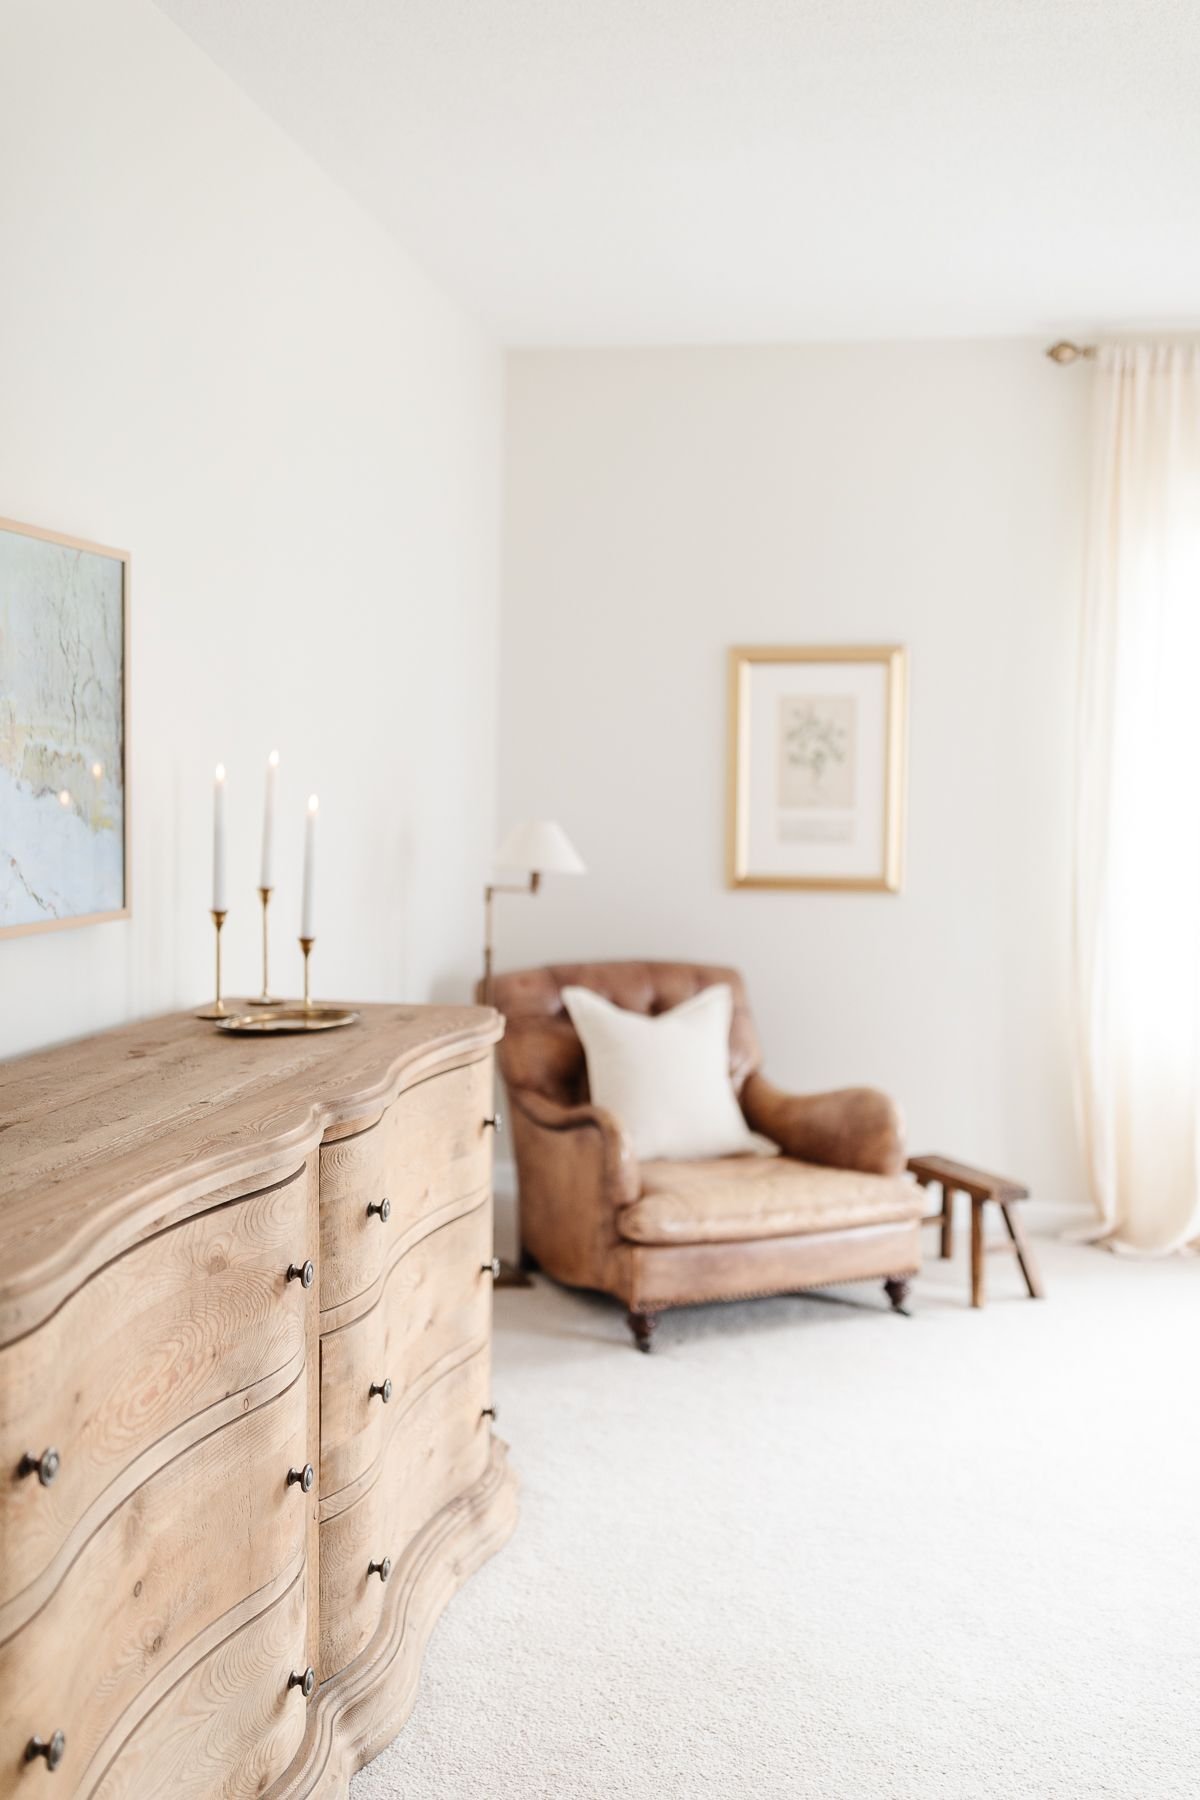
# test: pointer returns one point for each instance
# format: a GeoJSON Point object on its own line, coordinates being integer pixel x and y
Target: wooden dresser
{"type": "Point", "coordinates": [245, 1400]}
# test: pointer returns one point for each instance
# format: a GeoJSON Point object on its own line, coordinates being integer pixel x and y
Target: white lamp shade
{"type": "Point", "coordinates": [539, 846]}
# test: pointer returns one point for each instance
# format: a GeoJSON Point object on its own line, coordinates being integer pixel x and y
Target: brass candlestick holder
{"type": "Point", "coordinates": [270, 1021]}
{"type": "Point", "coordinates": [306, 945]}
{"type": "Point", "coordinates": [266, 998]}
{"type": "Point", "coordinates": [218, 1008]}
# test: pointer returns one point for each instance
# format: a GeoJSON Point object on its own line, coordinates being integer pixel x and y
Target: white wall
{"type": "Point", "coordinates": [663, 505]}
{"type": "Point", "coordinates": [211, 357]}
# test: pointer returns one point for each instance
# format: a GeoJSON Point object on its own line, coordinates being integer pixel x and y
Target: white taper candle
{"type": "Point", "coordinates": [307, 928]}
{"type": "Point", "coordinates": [265, 879]}
{"type": "Point", "coordinates": [218, 898]}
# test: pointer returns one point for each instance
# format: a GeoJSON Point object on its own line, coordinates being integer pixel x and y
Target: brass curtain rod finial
{"type": "Point", "coordinates": [1064, 352]}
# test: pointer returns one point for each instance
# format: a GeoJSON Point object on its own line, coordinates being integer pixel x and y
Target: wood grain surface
{"type": "Point", "coordinates": [161, 1190]}
{"type": "Point", "coordinates": [430, 1148]}
{"type": "Point", "coordinates": [170, 1329]}
{"type": "Point", "coordinates": [106, 1141]}
{"type": "Point", "coordinates": [435, 1306]}
{"type": "Point", "coordinates": [439, 1449]}
{"type": "Point", "coordinates": [359, 1711]}
{"type": "Point", "coordinates": [165, 1565]}
{"type": "Point", "coordinates": [231, 1726]}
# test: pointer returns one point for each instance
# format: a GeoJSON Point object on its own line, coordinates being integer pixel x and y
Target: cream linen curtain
{"type": "Point", "coordinates": [1137, 851]}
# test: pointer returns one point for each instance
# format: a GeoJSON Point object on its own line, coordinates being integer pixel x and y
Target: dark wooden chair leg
{"type": "Point", "coordinates": [977, 1288]}
{"type": "Point", "coordinates": [947, 1221]}
{"type": "Point", "coordinates": [896, 1288]}
{"type": "Point", "coordinates": [642, 1325]}
{"type": "Point", "coordinates": [1029, 1268]}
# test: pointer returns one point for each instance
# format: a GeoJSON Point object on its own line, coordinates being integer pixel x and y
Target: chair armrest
{"type": "Point", "coordinates": [854, 1128]}
{"type": "Point", "coordinates": [613, 1157]}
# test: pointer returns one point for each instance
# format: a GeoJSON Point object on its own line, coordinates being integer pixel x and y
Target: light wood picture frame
{"type": "Point", "coordinates": [816, 766]}
{"type": "Point", "coordinates": [64, 731]}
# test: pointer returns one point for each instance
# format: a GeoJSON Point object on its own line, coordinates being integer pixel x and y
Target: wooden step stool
{"type": "Point", "coordinates": [955, 1177]}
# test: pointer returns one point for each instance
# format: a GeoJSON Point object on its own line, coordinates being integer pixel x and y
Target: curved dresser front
{"type": "Point", "coordinates": [245, 1397]}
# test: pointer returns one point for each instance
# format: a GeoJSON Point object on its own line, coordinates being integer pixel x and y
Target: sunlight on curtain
{"type": "Point", "coordinates": [1137, 851]}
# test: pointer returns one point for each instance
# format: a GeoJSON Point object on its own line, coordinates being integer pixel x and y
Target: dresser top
{"type": "Point", "coordinates": [104, 1141]}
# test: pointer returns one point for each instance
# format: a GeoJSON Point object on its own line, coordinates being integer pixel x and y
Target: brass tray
{"type": "Point", "coordinates": [274, 1020]}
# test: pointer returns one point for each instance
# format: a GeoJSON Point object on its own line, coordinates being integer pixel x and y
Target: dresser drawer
{"type": "Point", "coordinates": [438, 1450]}
{"type": "Point", "coordinates": [166, 1332]}
{"type": "Point", "coordinates": [231, 1726]}
{"type": "Point", "coordinates": [430, 1149]}
{"type": "Point", "coordinates": [215, 1526]}
{"type": "Point", "coordinates": [435, 1306]}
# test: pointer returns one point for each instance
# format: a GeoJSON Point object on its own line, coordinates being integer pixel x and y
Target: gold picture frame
{"type": "Point", "coordinates": [847, 798]}
{"type": "Point", "coordinates": [99, 915]}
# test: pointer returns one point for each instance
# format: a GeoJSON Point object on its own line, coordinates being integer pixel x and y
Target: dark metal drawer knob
{"type": "Point", "coordinates": [382, 1208]}
{"type": "Point", "coordinates": [492, 1268]}
{"type": "Point", "coordinates": [382, 1569]}
{"type": "Point", "coordinates": [489, 1412]}
{"type": "Point", "coordinates": [494, 1123]}
{"type": "Point", "coordinates": [45, 1467]}
{"type": "Point", "coordinates": [53, 1749]}
{"type": "Point", "coordinates": [302, 1478]}
{"type": "Point", "coordinates": [382, 1388]}
{"type": "Point", "coordinates": [307, 1683]}
{"type": "Point", "coordinates": [303, 1272]}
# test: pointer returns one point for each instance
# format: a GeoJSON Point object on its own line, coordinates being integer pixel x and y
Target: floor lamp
{"type": "Point", "coordinates": [535, 848]}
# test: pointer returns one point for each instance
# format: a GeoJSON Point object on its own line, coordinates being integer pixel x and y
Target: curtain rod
{"type": "Point", "coordinates": [1065, 352]}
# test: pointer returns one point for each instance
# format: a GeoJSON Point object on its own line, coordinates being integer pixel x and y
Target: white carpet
{"type": "Point", "coordinates": [813, 1550]}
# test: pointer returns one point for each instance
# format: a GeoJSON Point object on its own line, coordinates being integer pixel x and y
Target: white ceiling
{"type": "Point", "coordinates": [648, 171]}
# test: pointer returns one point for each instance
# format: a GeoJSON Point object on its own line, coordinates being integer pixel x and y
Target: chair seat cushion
{"type": "Point", "coordinates": [732, 1198]}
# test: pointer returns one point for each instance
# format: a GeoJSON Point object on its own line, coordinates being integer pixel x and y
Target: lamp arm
{"type": "Point", "coordinates": [529, 886]}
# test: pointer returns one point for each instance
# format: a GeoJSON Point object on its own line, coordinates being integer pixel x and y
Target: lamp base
{"type": "Point", "coordinates": [513, 1276]}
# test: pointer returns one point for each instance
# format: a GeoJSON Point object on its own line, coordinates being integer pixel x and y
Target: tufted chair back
{"type": "Point", "coordinates": [541, 1049]}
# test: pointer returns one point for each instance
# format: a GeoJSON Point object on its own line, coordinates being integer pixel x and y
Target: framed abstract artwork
{"type": "Point", "coordinates": [64, 717]}
{"type": "Point", "coordinates": [816, 767]}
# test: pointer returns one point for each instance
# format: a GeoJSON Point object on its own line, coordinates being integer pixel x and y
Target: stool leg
{"type": "Point", "coordinates": [977, 1294]}
{"type": "Point", "coordinates": [947, 1221]}
{"type": "Point", "coordinates": [1029, 1268]}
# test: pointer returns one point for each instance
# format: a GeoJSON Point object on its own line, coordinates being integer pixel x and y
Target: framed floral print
{"type": "Point", "coordinates": [816, 767]}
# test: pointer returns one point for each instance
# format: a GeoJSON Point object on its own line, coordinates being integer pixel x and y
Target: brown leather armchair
{"type": "Point", "coordinates": [831, 1207]}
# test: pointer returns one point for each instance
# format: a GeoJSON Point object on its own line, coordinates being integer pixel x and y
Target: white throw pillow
{"type": "Point", "coordinates": [666, 1078]}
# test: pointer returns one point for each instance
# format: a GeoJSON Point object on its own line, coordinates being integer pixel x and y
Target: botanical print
{"type": "Point", "coordinates": [62, 749]}
{"type": "Point", "coordinates": [816, 766]}
{"type": "Point", "coordinates": [817, 745]}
